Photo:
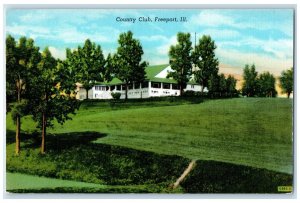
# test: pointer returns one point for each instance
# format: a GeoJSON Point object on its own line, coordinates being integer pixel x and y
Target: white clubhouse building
{"type": "Point", "coordinates": [156, 85]}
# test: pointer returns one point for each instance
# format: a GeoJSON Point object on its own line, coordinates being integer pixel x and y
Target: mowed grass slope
{"type": "Point", "coordinates": [22, 183]}
{"type": "Point", "coordinates": [248, 131]}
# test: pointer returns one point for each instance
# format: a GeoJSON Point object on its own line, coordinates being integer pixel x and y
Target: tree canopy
{"type": "Point", "coordinates": [266, 85]}
{"type": "Point", "coordinates": [53, 95]}
{"type": "Point", "coordinates": [249, 87]}
{"type": "Point", "coordinates": [22, 58]}
{"type": "Point", "coordinates": [181, 60]}
{"type": "Point", "coordinates": [89, 64]}
{"type": "Point", "coordinates": [287, 81]}
{"type": "Point", "coordinates": [127, 62]}
{"type": "Point", "coordinates": [206, 63]}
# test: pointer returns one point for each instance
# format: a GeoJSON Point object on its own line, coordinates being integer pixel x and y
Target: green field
{"type": "Point", "coordinates": [20, 183]}
{"type": "Point", "coordinates": [106, 143]}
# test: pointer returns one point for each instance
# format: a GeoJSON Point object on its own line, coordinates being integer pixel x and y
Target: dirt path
{"type": "Point", "coordinates": [184, 174]}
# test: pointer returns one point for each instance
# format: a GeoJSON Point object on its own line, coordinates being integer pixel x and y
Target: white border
{"type": "Point", "coordinates": [143, 4]}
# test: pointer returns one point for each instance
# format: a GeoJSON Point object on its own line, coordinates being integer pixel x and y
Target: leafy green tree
{"type": "Point", "coordinates": [127, 62]}
{"type": "Point", "coordinates": [205, 60]}
{"type": "Point", "coordinates": [53, 95]}
{"type": "Point", "coordinates": [214, 85]}
{"type": "Point", "coordinates": [249, 87]}
{"type": "Point", "coordinates": [21, 61]}
{"type": "Point", "coordinates": [89, 64]}
{"type": "Point", "coordinates": [181, 60]}
{"type": "Point", "coordinates": [222, 85]}
{"type": "Point", "coordinates": [266, 85]}
{"type": "Point", "coordinates": [231, 85]}
{"type": "Point", "coordinates": [109, 68]}
{"type": "Point", "coordinates": [287, 81]}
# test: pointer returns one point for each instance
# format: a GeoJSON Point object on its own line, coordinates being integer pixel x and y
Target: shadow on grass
{"type": "Point", "coordinates": [67, 140]}
{"type": "Point", "coordinates": [11, 136]}
{"type": "Point", "coordinates": [73, 156]}
{"type": "Point", "coordinates": [220, 177]}
{"type": "Point", "coordinates": [58, 142]}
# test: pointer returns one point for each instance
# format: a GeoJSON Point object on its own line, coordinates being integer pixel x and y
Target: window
{"type": "Point", "coordinates": [175, 87]}
{"type": "Point", "coordinates": [156, 84]}
{"type": "Point", "coordinates": [166, 85]}
{"type": "Point", "coordinates": [136, 86]}
{"type": "Point", "coordinates": [112, 88]}
{"type": "Point", "coordinates": [118, 87]}
{"type": "Point", "coordinates": [192, 86]}
{"type": "Point", "coordinates": [145, 84]}
{"type": "Point", "coordinates": [130, 86]}
{"type": "Point", "coordinates": [100, 88]}
{"type": "Point", "coordinates": [123, 87]}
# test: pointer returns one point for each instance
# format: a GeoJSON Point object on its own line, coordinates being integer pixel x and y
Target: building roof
{"type": "Point", "coordinates": [151, 72]}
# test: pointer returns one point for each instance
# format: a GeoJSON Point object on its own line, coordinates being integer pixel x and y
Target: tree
{"type": "Point", "coordinates": [222, 85]}
{"type": "Point", "coordinates": [205, 61]}
{"type": "Point", "coordinates": [109, 68]}
{"type": "Point", "coordinates": [181, 60]}
{"type": "Point", "coordinates": [88, 62]}
{"type": "Point", "coordinates": [128, 64]}
{"type": "Point", "coordinates": [231, 84]}
{"type": "Point", "coordinates": [214, 85]}
{"type": "Point", "coordinates": [21, 60]}
{"type": "Point", "coordinates": [249, 87]}
{"type": "Point", "coordinates": [286, 81]}
{"type": "Point", "coordinates": [266, 85]}
{"type": "Point", "coordinates": [53, 95]}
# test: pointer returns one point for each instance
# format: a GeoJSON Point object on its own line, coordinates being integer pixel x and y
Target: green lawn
{"type": "Point", "coordinates": [250, 131]}
{"type": "Point", "coordinates": [145, 146]}
{"type": "Point", "coordinates": [17, 182]}
{"type": "Point", "coordinates": [23, 181]}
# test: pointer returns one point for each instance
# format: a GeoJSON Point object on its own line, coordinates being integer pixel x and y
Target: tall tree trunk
{"type": "Point", "coordinates": [18, 122]}
{"type": "Point", "coordinates": [18, 119]}
{"type": "Point", "coordinates": [181, 90]}
{"type": "Point", "coordinates": [44, 123]}
{"type": "Point", "coordinates": [126, 91]}
{"type": "Point", "coordinates": [87, 93]}
{"type": "Point", "coordinates": [202, 88]}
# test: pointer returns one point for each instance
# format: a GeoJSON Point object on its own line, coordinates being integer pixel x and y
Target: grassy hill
{"type": "Point", "coordinates": [248, 132]}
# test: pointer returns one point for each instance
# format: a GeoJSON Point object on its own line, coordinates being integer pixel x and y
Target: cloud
{"type": "Point", "coordinates": [76, 16]}
{"type": "Point", "coordinates": [154, 38]}
{"type": "Point", "coordinates": [221, 18]}
{"type": "Point", "coordinates": [72, 35]}
{"type": "Point", "coordinates": [279, 48]}
{"type": "Point", "coordinates": [58, 53]}
{"type": "Point", "coordinates": [26, 30]}
{"type": "Point", "coordinates": [220, 33]}
{"type": "Point", "coordinates": [211, 18]}
{"type": "Point", "coordinates": [67, 34]}
{"type": "Point", "coordinates": [164, 49]}
{"type": "Point", "coordinates": [261, 61]}
{"type": "Point", "coordinates": [35, 17]}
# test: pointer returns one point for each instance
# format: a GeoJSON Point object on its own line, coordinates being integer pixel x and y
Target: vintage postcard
{"type": "Point", "coordinates": [171, 101]}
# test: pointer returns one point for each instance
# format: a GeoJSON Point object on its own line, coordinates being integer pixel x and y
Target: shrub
{"type": "Point", "coordinates": [116, 95]}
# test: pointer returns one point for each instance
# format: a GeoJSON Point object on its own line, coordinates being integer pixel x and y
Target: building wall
{"type": "Point", "coordinates": [196, 88]}
{"type": "Point", "coordinates": [81, 93]}
{"type": "Point", "coordinates": [99, 93]}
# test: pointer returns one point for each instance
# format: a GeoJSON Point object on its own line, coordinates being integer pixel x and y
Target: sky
{"type": "Point", "coordinates": [263, 37]}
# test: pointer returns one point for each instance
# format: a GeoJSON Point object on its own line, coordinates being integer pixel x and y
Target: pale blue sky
{"type": "Point", "coordinates": [260, 36]}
